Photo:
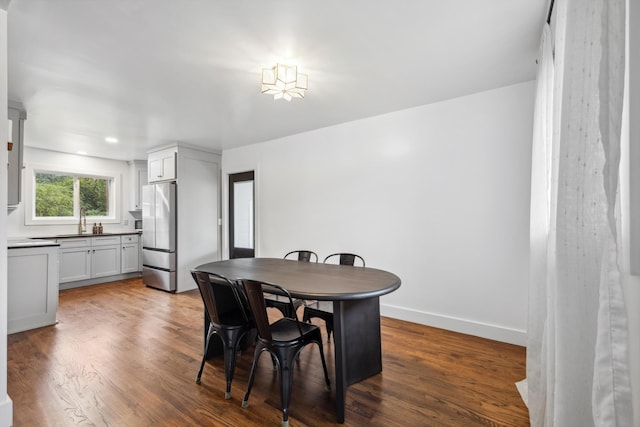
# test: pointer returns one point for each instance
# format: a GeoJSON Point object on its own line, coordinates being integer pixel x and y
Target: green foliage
{"type": "Point", "coordinates": [94, 196]}
{"type": "Point", "coordinates": [55, 194]}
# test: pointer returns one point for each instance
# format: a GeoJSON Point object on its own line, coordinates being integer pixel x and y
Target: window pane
{"type": "Point", "coordinates": [54, 195]}
{"type": "Point", "coordinates": [243, 214]}
{"type": "Point", "coordinates": [94, 196]}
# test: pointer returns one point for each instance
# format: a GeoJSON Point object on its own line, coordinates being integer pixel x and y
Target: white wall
{"type": "Point", "coordinates": [437, 194]}
{"type": "Point", "coordinates": [16, 220]}
{"type": "Point", "coordinates": [6, 406]}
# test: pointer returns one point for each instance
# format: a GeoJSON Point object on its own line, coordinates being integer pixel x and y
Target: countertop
{"type": "Point", "coordinates": [41, 241]}
{"type": "Point", "coordinates": [76, 235]}
{"type": "Point", "coordinates": [30, 243]}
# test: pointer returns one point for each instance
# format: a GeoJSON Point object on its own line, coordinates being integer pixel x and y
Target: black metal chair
{"type": "Point", "coordinates": [324, 309]}
{"type": "Point", "coordinates": [276, 301]}
{"type": "Point", "coordinates": [345, 258]}
{"type": "Point", "coordinates": [230, 317]}
{"type": "Point", "coordinates": [283, 339]}
{"type": "Point", "coordinates": [303, 255]}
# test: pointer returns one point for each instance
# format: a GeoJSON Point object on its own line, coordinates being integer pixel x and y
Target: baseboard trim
{"type": "Point", "coordinates": [98, 280]}
{"type": "Point", "coordinates": [6, 412]}
{"type": "Point", "coordinates": [483, 330]}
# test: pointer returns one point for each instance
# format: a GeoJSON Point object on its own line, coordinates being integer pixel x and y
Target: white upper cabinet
{"type": "Point", "coordinates": [162, 165]}
{"type": "Point", "coordinates": [17, 117]}
{"type": "Point", "coordinates": [139, 177]}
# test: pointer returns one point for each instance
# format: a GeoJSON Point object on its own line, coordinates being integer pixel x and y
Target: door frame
{"type": "Point", "coordinates": [225, 206]}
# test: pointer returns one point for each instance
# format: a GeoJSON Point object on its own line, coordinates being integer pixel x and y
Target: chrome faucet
{"type": "Point", "coordinates": [82, 225]}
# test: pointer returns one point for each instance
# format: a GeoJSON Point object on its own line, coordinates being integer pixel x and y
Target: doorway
{"type": "Point", "coordinates": [241, 215]}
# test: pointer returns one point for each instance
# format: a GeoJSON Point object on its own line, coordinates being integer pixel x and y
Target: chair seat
{"type": "Point", "coordinates": [286, 330]}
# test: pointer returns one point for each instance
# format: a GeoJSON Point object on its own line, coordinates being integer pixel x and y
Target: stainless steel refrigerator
{"type": "Point", "coordinates": [159, 235]}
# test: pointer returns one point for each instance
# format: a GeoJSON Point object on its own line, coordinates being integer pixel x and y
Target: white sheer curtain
{"type": "Point", "coordinates": [577, 365]}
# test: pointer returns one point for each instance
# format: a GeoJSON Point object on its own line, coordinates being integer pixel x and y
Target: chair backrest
{"type": "Point", "coordinates": [304, 255]}
{"type": "Point", "coordinates": [346, 258]}
{"type": "Point", "coordinates": [221, 298]}
{"type": "Point", "coordinates": [255, 295]}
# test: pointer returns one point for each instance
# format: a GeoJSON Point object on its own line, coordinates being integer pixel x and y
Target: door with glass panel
{"type": "Point", "coordinates": [241, 215]}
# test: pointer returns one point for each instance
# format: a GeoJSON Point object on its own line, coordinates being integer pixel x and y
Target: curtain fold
{"type": "Point", "coordinates": [577, 365]}
{"type": "Point", "coordinates": [611, 396]}
{"type": "Point", "coordinates": [538, 362]}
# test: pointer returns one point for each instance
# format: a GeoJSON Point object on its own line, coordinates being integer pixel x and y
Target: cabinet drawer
{"type": "Point", "coordinates": [105, 240]}
{"type": "Point", "coordinates": [130, 239]}
{"type": "Point", "coordinates": [82, 242]}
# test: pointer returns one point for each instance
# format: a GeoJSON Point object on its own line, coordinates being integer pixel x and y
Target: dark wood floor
{"type": "Point", "coordinates": [123, 354]}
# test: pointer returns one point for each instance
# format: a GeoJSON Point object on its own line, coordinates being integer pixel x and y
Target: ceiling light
{"type": "Point", "coordinates": [283, 82]}
{"type": "Point", "coordinates": [111, 139]}
{"type": "Point", "coordinates": [82, 153]}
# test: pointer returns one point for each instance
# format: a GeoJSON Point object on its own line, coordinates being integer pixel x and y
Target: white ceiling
{"type": "Point", "coordinates": [153, 72]}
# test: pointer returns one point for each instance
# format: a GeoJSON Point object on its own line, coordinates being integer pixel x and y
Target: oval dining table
{"type": "Point", "coordinates": [355, 293]}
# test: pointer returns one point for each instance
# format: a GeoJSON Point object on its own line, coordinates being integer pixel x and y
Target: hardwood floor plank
{"type": "Point", "coordinates": [123, 354]}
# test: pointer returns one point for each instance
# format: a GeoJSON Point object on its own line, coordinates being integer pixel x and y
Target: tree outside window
{"type": "Point", "coordinates": [59, 195]}
{"type": "Point", "coordinates": [94, 196]}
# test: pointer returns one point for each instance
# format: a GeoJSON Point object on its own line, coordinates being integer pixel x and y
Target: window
{"type": "Point", "coordinates": [56, 197]}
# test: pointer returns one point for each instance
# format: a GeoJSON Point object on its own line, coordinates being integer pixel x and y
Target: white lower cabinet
{"type": "Point", "coordinates": [32, 288]}
{"type": "Point", "coordinates": [75, 259]}
{"type": "Point", "coordinates": [105, 256]}
{"type": "Point", "coordinates": [130, 261]}
{"type": "Point", "coordinates": [87, 258]}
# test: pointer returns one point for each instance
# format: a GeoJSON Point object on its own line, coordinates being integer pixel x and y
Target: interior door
{"type": "Point", "coordinates": [241, 215]}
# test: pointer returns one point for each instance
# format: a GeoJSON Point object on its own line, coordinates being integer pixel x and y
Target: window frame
{"type": "Point", "coordinates": [30, 195]}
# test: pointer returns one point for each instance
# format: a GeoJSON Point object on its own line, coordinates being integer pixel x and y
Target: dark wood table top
{"type": "Point", "coordinates": [309, 280]}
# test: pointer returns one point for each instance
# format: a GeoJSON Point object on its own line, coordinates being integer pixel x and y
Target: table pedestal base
{"type": "Point", "coordinates": [358, 353]}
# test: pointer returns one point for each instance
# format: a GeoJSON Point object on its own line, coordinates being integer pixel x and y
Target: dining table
{"type": "Point", "coordinates": [355, 293]}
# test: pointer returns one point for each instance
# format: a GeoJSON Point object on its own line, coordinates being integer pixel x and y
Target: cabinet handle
{"type": "Point", "coordinates": [88, 251]}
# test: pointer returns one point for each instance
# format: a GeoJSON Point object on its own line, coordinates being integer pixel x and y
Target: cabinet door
{"type": "Point", "coordinates": [169, 167]}
{"type": "Point", "coordinates": [162, 165]}
{"type": "Point", "coordinates": [75, 264]}
{"type": "Point", "coordinates": [130, 258]}
{"type": "Point", "coordinates": [14, 156]}
{"type": "Point", "coordinates": [105, 260]}
{"type": "Point", "coordinates": [141, 179]}
{"type": "Point", "coordinates": [155, 170]}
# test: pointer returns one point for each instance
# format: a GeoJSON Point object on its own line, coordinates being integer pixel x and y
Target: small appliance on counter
{"type": "Point", "coordinates": [137, 218]}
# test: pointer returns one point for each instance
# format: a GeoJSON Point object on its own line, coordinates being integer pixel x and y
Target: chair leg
{"type": "Point", "coordinates": [328, 321]}
{"type": "Point", "coordinates": [252, 374]}
{"type": "Point", "coordinates": [324, 365]}
{"type": "Point", "coordinates": [305, 316]}
{"type": "Point", "coordinates": [210, 332]}
{"type": "Point", "coordinates": [286, 381]}
{"type": "Point", "coordinates": [229, 365]}
{"type": "Point", "coordinates": [329, 325]}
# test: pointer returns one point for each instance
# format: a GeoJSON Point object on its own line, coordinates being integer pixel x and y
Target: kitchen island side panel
{"type": "Point", "coordinates": [32, 281]}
